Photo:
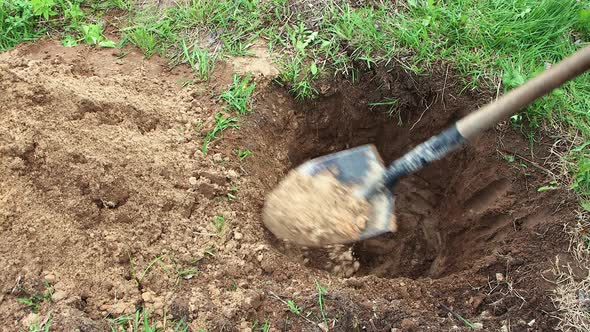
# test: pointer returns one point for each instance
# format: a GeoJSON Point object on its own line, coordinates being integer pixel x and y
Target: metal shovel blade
{"type": "Point", "coordinates": [359, 169]}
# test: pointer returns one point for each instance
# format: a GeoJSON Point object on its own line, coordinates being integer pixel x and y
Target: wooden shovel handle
{"type": "Point", "coordinates": [516, 99]}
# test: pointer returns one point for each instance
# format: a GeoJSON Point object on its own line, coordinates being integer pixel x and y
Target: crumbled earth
{"type": "Point", "coordinates": [107, 204]}
{"type": "Point", "coordinates": [315, 211]}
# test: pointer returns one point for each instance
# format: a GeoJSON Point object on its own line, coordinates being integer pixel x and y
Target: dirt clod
{"type": "Point", "coordinates": [314, 211]}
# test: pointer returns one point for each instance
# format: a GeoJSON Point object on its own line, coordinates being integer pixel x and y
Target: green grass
{"type": "Point", "coordinates": [221, 123]}
{"type": "Point", "coordinates": [322, 305]}
{"type": "Point", "coordinates": [293, 307]}
{"type": "Point", "coordinates": [219, 223]}
{"type": "Point", "coordinates": [44, 326]}
{"type": "Point", "coordinates": [198, 58]}
{"type": "Point", "coordinates": [389, 106]}
{"type": "Point", "coordinates": [239, 95]}
{"type": "Point", "coordinates": [141, 321]}
{"type": "Point", "coordinates": [27, 20]}
{"type": "Point", "coordinates": [33, 300]}
{"type": "Point", "coordinates": [243, 153]}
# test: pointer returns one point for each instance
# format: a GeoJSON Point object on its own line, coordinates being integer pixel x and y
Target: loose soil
{"type": "Point", "coordinates": [314, 211]}
{"type": "Point", "coordinates": [106, 197]}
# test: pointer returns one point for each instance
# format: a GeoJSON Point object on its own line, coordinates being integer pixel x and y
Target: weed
{"type": "Point", "coordinates": [264, 328]}
{"type": "Point", "coordinates": [148, 267]}
{"type": "Point", "coordinates": [198, 58]}
{"type": "Point", "coordinates": [219, 223]}
{"type": "Point", "coordinates": [210, 251]}
{"type": "Point", "coordinates": [144, 39]}
{"type": "Point", "coordinates": [298, 80]}
{"type": "Point", "coordinates": [391, 107]}
{"type": "Point", "coordinates": [552, 186]}
{"type": "Point", "coordinates": [221, 123]}
{"type": "Point", "coordinates": [293, 307]}
{"type": "Point", "coordinates": [18, 23]}
{"type": "Point", "coordinates": [43, 326]}
{"type": "Point", "coordinates": [321, 291]}
{"type": "Point", "coordinates": [69, 41]}
{"type": "Point", "coordinates": [243, 153]}
{"type": "Point", "coordinates": [233, 285]}
{"type": "Point", "coordinates": [239, 94]}
{"type": "Point", "coordinates": [465, 321]}
{"type": "Point", "coordinates": [33, 300]}
{"type": "Point", "coordinates": [43, 8]}
{"type": "Point", "coordinates": [232, 192]}
{"type": "Point", "coordinates": [93, 35]}
{"type": "Point", "coordinates": [303, 90]}
{"type": "Point", "coordinates": [141, 321]}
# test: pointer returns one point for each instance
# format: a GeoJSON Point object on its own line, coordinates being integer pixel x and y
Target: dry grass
{"type": "Point", "coordinates": [571, 295]}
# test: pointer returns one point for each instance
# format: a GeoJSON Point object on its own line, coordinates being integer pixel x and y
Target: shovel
{"type": "Point", "coordinates": [361, 168]}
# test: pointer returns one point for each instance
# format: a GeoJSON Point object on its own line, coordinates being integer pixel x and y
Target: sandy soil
{"type": "Point", "coordinates": [315, 211]}
{"type": "Point", "coordinates": [106, 198]}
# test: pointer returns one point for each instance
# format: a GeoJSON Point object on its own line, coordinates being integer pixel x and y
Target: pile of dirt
{"type": "Point", "coordinates": [107, 204]}
{"type": "Point", "coordinates": [315, 211]}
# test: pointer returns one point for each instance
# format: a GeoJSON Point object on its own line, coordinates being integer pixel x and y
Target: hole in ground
{"type": "Point", "coordinates": [449, 215]}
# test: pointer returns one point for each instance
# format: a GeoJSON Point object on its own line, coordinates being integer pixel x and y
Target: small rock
{"type": "Point", "coordinates": [499, 277]}
{"type": "Point", "coordinates": [323, 326]}
{"type": "Point", "coordinates": [192, 180]}
{"type": "Point", "coordinates": [148, 296]}
{"type": "Point", "coordinates": [259, 257]}
{"type": "Point", "coordinates": [232, 174]}
{"type": "Point", "coordinates": [59, 295]}
{"type": "Point", "coordinates": [158, 303]}
{"type": "Point", "coordinates": [217, 158]}
{"type": "Point", "coordinates": [356, 266]}
{"type": "Point", "coordinates": [349, 272]}
{"type": "Point", "coordinates": [30, 319]}
{"type": "Point", "coordinates": [50, 278]}
{"type": "Point", "coordinates": [121, 308]}
{"type": "Point", "coordinates": [253, 301]}
{"type": "Point", "coordinates": [477, 326]}
{"type": "Point", "coordinates": [407, 324]}
{"type": "Point", "coordinates": [238, 236]}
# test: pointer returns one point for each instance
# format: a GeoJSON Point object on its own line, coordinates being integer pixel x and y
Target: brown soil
{"type": "Point", "coordinates": [105, 196]}
{"type": "Point", "coordinates": [314, 211]}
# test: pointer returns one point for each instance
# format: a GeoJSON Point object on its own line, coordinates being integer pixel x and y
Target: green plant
{"type": "Point", "coordinates": [43, 8]}
{"type": "Point", "coordinates": [33, 300]}
{"type": "Point", "coordinates": [187, 273]}
{"type": "Point", "coordinates": [264, 328]}
{"type": "Point", "coordinates": [243, 153]}
{"type": "Point", "coordinates": [221, 123]}
{"type": "Point", "coordinates": [139, 321]}
{"type": "Point", "coordinates": [219, 223]}
{"type": "Point", "coordinates": [144, 39]}
{"type": "Point", "coordinates": [321, 291]}
{"type": "Point", "coordinates": [44, 326]}
{"type": "Point", "coordinates": [552, 186]}
{"type": "Point", "coordinates": [293, 307]}
{"type": "Point", "coordinates": [232, 192]}
{"type": "Point", "coordinates": [391, 107]}
{"type": "Point", "coordinates": [18, 23]}
{"type": "Point", "coordinates": [139, 278]}
{"type": "Point", "coordinates": [239, 95]}
{"type": "Point", "coordinates": [93, 35]}
{"type": "Point", "coordinates": [198, 58]}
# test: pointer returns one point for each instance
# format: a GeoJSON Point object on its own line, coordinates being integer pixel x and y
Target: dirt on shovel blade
{"type": "Point", "coordinates": [315, 211]}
